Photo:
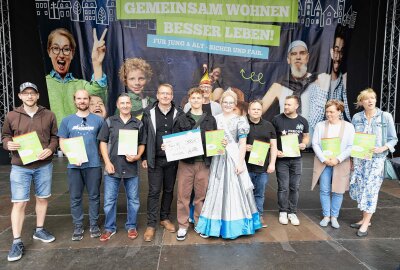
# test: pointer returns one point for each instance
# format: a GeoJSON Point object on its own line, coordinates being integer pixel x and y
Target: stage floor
{"type": "Point", "coordinates": [307, 246]}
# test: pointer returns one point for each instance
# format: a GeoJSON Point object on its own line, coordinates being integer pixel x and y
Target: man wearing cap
{"type": "Point", "coordinates": [308, 87]}
{"type": "Point", "coordinates": [211, 107]}
{"type": "Point", "coordinates": [27, 118]}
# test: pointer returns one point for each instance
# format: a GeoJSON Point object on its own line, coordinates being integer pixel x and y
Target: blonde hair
{"type": "Point", "coordinates": [63, 32]}
{"type": "Point", "coordinates": [229, 93]}
{"type": "Point", "coordinates": [131, 64]}
{"type": "Point", "coordinates": [363, 95]}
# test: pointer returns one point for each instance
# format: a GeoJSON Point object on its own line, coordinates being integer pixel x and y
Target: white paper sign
{"type": "Point", "coordinates": [183, 145]}
{"type": "Point", "coordinates": [127, 142]}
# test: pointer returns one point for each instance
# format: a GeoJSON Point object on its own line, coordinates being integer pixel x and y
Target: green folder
{"type": "Point", "coordinates": [30, 147]}
{"type": "Point", "coordinates": [75, 150]}
{"type": "Point", "coordinates": [127, 142]}
{"type": "Point", "coordinates": [330, 147]}
{"type": "Point", "coordinates": [363, 145]}
{"type": "Point", "coordinates": [290, 145]}
{"type": "Point", "coordinates": [214, 145]}
{"type": "Point", "coordinates": [259, 153]}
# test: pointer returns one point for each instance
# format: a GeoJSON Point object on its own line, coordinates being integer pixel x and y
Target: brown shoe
{"type": "Point", "coordinates": [263, 224]}
{"type": "Point", "coordinates": [168, 225]}
{"type": "Point", "coordinates": [149, 234]}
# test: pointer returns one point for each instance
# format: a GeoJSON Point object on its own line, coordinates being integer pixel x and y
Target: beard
{"type": "Point", "coordinates": [298, 72]}
{"type": "Point", "coordinates": [82, 107]}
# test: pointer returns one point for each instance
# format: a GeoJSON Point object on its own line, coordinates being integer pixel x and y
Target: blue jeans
{"type": "Point", "coordinates": [21, 178]}
{"type": "Point", "coordinates": [78, 179]}
{"type": "Point", "coordinates": [111, 188]}
{"type": "Point", "coordinates": [330, 208]}
{"type": "Point", "coordinates": [260, 181]}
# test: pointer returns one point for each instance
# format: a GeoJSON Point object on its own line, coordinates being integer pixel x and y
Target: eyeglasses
{"type": "Point", "coordinates": [66, 50]}
{"type": "Point", "coordinates": [338, 52]}
{"type": "Point", "coordinates": [32, 94]}
{"type": "Point", "coordinates": [228, 103]}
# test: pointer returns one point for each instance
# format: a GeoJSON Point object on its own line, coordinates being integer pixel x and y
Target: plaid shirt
{"type": "Point", "coordinates": [340, 93]}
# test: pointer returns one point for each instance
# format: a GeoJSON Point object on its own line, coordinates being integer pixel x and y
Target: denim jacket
{"type": "Point", "coordinates": [360, 123]}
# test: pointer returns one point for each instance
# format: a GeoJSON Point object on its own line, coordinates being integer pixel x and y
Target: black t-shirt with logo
{"type": "Point", "coordinates": [285, 126]}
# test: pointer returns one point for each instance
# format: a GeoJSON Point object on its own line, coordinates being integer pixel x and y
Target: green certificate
{"type": "Point", "coordinates": [75, 150]}
{"type": "Point", "coordinates": [290, 145]}
{"type": "Point", "coordinates": [259, 153]}
{"type": "Point", "coordinates": [330, 147]}
{"type": "Point", "coordinates": [127, 142]}
{"type": "Point", "coordinates": [214, 145]}
{"type": "Point", "coordinates": [30, 147]}
{"type": "Point", "coordinates": [363, 145]}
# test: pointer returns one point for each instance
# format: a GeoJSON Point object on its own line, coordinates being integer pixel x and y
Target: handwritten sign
{"type": "Point", "coordinates": [183, 145]}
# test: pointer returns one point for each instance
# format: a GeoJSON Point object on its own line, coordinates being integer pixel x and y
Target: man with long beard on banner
{"type": "Point", "coordinates": [311, 90]}
{"type": "Point", "coordinates": [62, 85]}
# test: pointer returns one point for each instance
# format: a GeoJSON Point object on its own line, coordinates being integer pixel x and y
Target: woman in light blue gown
{"type": "Point", "coordinates": [229, 209]}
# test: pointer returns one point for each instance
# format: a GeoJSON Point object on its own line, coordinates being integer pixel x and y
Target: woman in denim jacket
{"type": "Point", "coordinates": [367, 176]}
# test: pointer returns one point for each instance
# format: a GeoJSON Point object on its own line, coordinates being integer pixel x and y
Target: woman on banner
{"type": "Point", "coordinates": [367, 176]}
{"type": "Point", "coordinates": [61, 84]}
{"type": "Point", "coordinates": [332, 143]}
{"type": "Point", "coordinates": [135, 73]}
{"type": "Point", "coordinates": [229, 209]}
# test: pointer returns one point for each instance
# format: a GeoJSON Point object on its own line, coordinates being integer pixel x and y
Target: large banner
{"type": "Point", "coordinates": [262, 49]}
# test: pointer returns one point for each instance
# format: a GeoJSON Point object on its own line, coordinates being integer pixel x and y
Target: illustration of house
{"type": "Point", "coordinates": [64, 7]}
{"type": "Point", "coordinates": [89, 10]}
{"type": "Point", "coordinates": [42, 7]}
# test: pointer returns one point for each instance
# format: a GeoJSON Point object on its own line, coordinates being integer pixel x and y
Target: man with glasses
{"type": "Point", "coordinates": [85, 124]}
{"type": "Point", "coordinates": [158, 120]}
{"type": "Point", "coordinates": [26, 119]}
{"type": "Point", "coordinates": [61, 84]}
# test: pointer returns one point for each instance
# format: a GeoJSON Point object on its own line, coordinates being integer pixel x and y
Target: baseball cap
{"type": "Point", "coordinates": [25, 85]}
{"type": "Point", "coordinates": [297, 43]}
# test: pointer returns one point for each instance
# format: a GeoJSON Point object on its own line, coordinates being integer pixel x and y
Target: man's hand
{"type": "Point", "coordinates": [302, 146]}
{"type": "Point", "coordinates": [280, 154]}
{"type": "Point", "coordinates": [13, 146]}
{"type": "Point", "coordinates": [144, 164]}
{"type": "Point", "coordinates": [132, 158]}
{"type": "Point", "coordinates": [271, 168]}
{"type": "Point", "coordinates": [45, 154]}
{"type": "Point", "coordinates": [109, 168]}
{"type": "Point", "coordinates": [99, 47]}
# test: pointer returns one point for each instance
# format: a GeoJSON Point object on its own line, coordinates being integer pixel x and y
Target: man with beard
{"type": "Point", "coordinates": [337, 78]}
{"type": "Point", "coordinates": [61, 85]}
{"type": "Point", "coordinates": [25, 119]}
{"type": "Point", "coordinates": [311, 91]}
{"type": "Point", "coordinates": [85, 124]}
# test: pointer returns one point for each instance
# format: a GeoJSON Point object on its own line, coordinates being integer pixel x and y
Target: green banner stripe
{"type": "Point", "coordinates": [231, 32]}
{"type": "Point", "coordinates": [238, 10]}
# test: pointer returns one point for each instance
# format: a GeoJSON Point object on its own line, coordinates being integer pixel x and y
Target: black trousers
{"type": "Point", "coordinates": [162, 176]}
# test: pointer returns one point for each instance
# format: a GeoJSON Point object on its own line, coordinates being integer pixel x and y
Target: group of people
{"type": "Point", "coordinates": [226, 190]}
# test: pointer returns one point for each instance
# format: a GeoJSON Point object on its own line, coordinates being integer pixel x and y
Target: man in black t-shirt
{"type": "Point", "coordinates": [289, 169]}
{"type": "Point", "coordinates": [264, 131]}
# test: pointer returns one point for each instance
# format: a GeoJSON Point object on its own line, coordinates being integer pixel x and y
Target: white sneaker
{"type": "Point", "coordinates": [293, 219]}
{"type": "Point", "coordinates": [181, 235]}
{"type": "Point", "coordinates": [283, 218]}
